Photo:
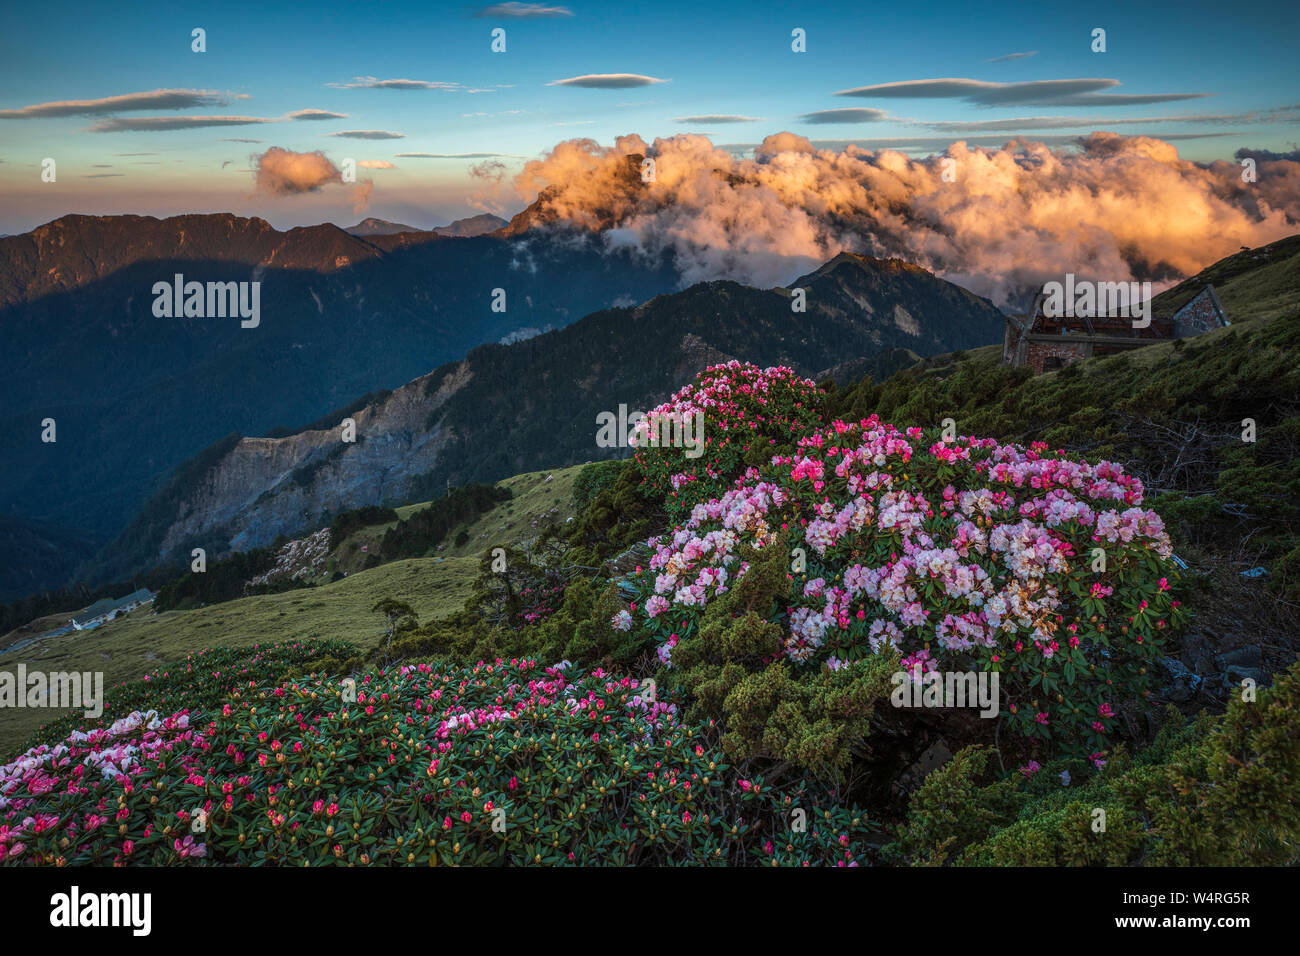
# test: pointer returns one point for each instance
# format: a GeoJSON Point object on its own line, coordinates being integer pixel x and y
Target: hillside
{"type": "Point", "coordinates": [505, 410]}
{"type": "Point", "coordinates": [340, 316]}
{"type": "Point", "coordinates": [757, 723]}
{"type": "Point", "coordinates": [435, 586]}
{"type": "Point", "coordinates": [1254, 283]}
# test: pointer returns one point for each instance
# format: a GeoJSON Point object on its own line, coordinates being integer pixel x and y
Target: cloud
{"type": "Point", "coordinates": [937, 144]}
{"type": "Point", "coordinates": [608, 81]}
{"type": "Point", "coordinates": [515, 10]}
{"type": "Point", "coordinates": [240, 140]}
{"type": "Point", "coordinates": [282, 172]}
{"type": "Point", "coordinates": [367, 134]}
{"type": "Point", "coordinates": [1075, 92]}
{"type": "Point", "coordinates": [1013, 56]}
{"type": "Point", "coordinates": [376, 164]}
{"type": "Point", "coordinates": [1073, 122]}
{"type": "Point", "coordinates": [315, 115]}
{"type": "Point", "coordinates": [361, 195]}
{"type": "Point", "coordinates": [1110, 207]}
{"type": "Point", "coordinates": [850, 115]}
{"type": "Point", "coordinates": [447, 155]}
{"type": "Point", "coordinates": [152, 124]}
{"type": "Point", "coordinates": [151, 100]}
{"type": "Point", "coordinates": [371, 83]}
{"type": "Point", "coordinates": [1268, 155]}
{"type": "Point", "coordinates": [711, 118]}
{"type": "Point", "coordinates": [490, 194]}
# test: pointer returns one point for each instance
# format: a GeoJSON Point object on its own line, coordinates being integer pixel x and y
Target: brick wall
{"type": "Point", "coordinates": [1039, 352]}
{"type": "Point", "coordinates": [1199, 315]}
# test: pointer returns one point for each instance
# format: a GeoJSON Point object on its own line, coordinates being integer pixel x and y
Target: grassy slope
{"type": "Point", "coordinates": [511, 521]}
{"type": "Point", "coordinates": [128, 648]}
{"type": "Point", "coordinates": [1262, 283]}
{"type": "Point", "coordinates": [435, 586]}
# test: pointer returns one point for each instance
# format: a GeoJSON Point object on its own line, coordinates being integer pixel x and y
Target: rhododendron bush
{"type": "Point", "coordinates": [749, 414]}
{"type": "Point", "coordinates": [954, 555]}
{"type": "Point", "coordinates": [501, 762]}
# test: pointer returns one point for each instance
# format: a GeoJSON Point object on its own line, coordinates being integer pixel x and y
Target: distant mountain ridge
{"type": "Point", "coordinates": [479, 225]}
{"type": "Point", "coordinates": [505, 410]}
{"type": "Point", "coordinates": [134, 395]}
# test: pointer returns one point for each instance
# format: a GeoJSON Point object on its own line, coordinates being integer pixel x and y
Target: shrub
{"type": "Point", "coordinates": [749, 414]}
{"type": "Point", "coordinates": [499, 763]}
{"type": "Point", "coordinates": [199, 681]}
{"type": "Point", "coordinates": [427, 527]}
{"type": "Point", "coordinates": [1216, 791]}
{"type": "Point", "coordinates": [348, 523]}
{"type": "Point", "coordinates": [959, 556]}
{"type": "Point", "coordinates": [592, 480]}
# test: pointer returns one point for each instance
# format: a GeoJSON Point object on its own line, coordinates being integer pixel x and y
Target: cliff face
{"type": "Point", "coordinates": [135, 394]}
{"type": "Point", "coordinates": [264, 487]}
{"type": "Point", "coordinates": [532, 405]}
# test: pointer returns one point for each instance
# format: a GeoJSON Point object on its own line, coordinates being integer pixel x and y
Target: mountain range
{"type": "Point", "coordinates": [506, 409]}
{"type": "Point", "coordinates": [133, 395]}
{"type": "Point", "coordinates": [479, 225]}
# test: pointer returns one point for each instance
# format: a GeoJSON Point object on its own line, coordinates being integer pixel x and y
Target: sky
{"type": "Point", "coordinates": [440, 124]}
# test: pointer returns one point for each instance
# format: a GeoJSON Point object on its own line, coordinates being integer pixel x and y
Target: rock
{"type": "Point", "coordinates": [1197, 652]}
{"type": "Point", "coordinates": [934, 757]}
{"type": "Point", "coordinates": [1183, 683]}
{"type": "Point", "coordinates": [1235, 674]}
{"type": "Point", "coordinates": [1249, 656]}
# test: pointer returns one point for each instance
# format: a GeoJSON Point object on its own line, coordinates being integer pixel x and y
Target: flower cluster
{"type": "Point", "coordinates": [749, 414]}
{"type": "Point", "coordinates": [956, 554]}
{"type": "Point", "coordinates": [502, 762]}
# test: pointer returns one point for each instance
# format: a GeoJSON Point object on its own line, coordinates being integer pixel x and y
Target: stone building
{"type": "Point", "coordinates": [1046, 344]}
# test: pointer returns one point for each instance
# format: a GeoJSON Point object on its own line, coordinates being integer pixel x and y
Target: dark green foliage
{"type": "Point", "coordinates": [36, 553]}
{"type": "Point", "coordinates": [1216, 791]}
{"type": "Point", "coordinates": [350, 522]}
{"type": "Point", "coordinates": [1173, 417]}
{"type": "Point", "coordinates": [593, 479]}
{"type": "Point", "coordinates": [132, 548]}
{"type": "Point", "coordinates": [618, 516]}
{"type": "Point", "coordinates": [222, 581]}
{"type": "Point", "coordinates": [426, 528]}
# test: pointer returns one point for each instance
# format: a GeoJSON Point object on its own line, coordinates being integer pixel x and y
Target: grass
{"type": "Point", "coordinates": [436, 586]}
{"type": "Point", "coordinates": [510, 522]}
{"type": "Point", "coordinates": [129, 647]}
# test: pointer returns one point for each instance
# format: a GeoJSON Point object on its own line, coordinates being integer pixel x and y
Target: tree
{"type": "Point", "coordinates": [395, 611]}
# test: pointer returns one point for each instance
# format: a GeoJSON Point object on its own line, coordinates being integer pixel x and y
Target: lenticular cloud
{"type": "Point", "coordinates": [1002, 222]}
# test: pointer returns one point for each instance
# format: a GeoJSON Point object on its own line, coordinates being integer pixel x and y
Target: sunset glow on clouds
{"type": "Point", "coordinates": [1084, 155]}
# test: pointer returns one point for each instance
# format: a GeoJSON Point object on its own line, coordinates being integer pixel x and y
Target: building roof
{"type": "Point", "coordinates": [105, 605]}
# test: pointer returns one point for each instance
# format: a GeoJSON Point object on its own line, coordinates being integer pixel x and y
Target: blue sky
{"type": "Point", "coordinates": [713, 61]}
